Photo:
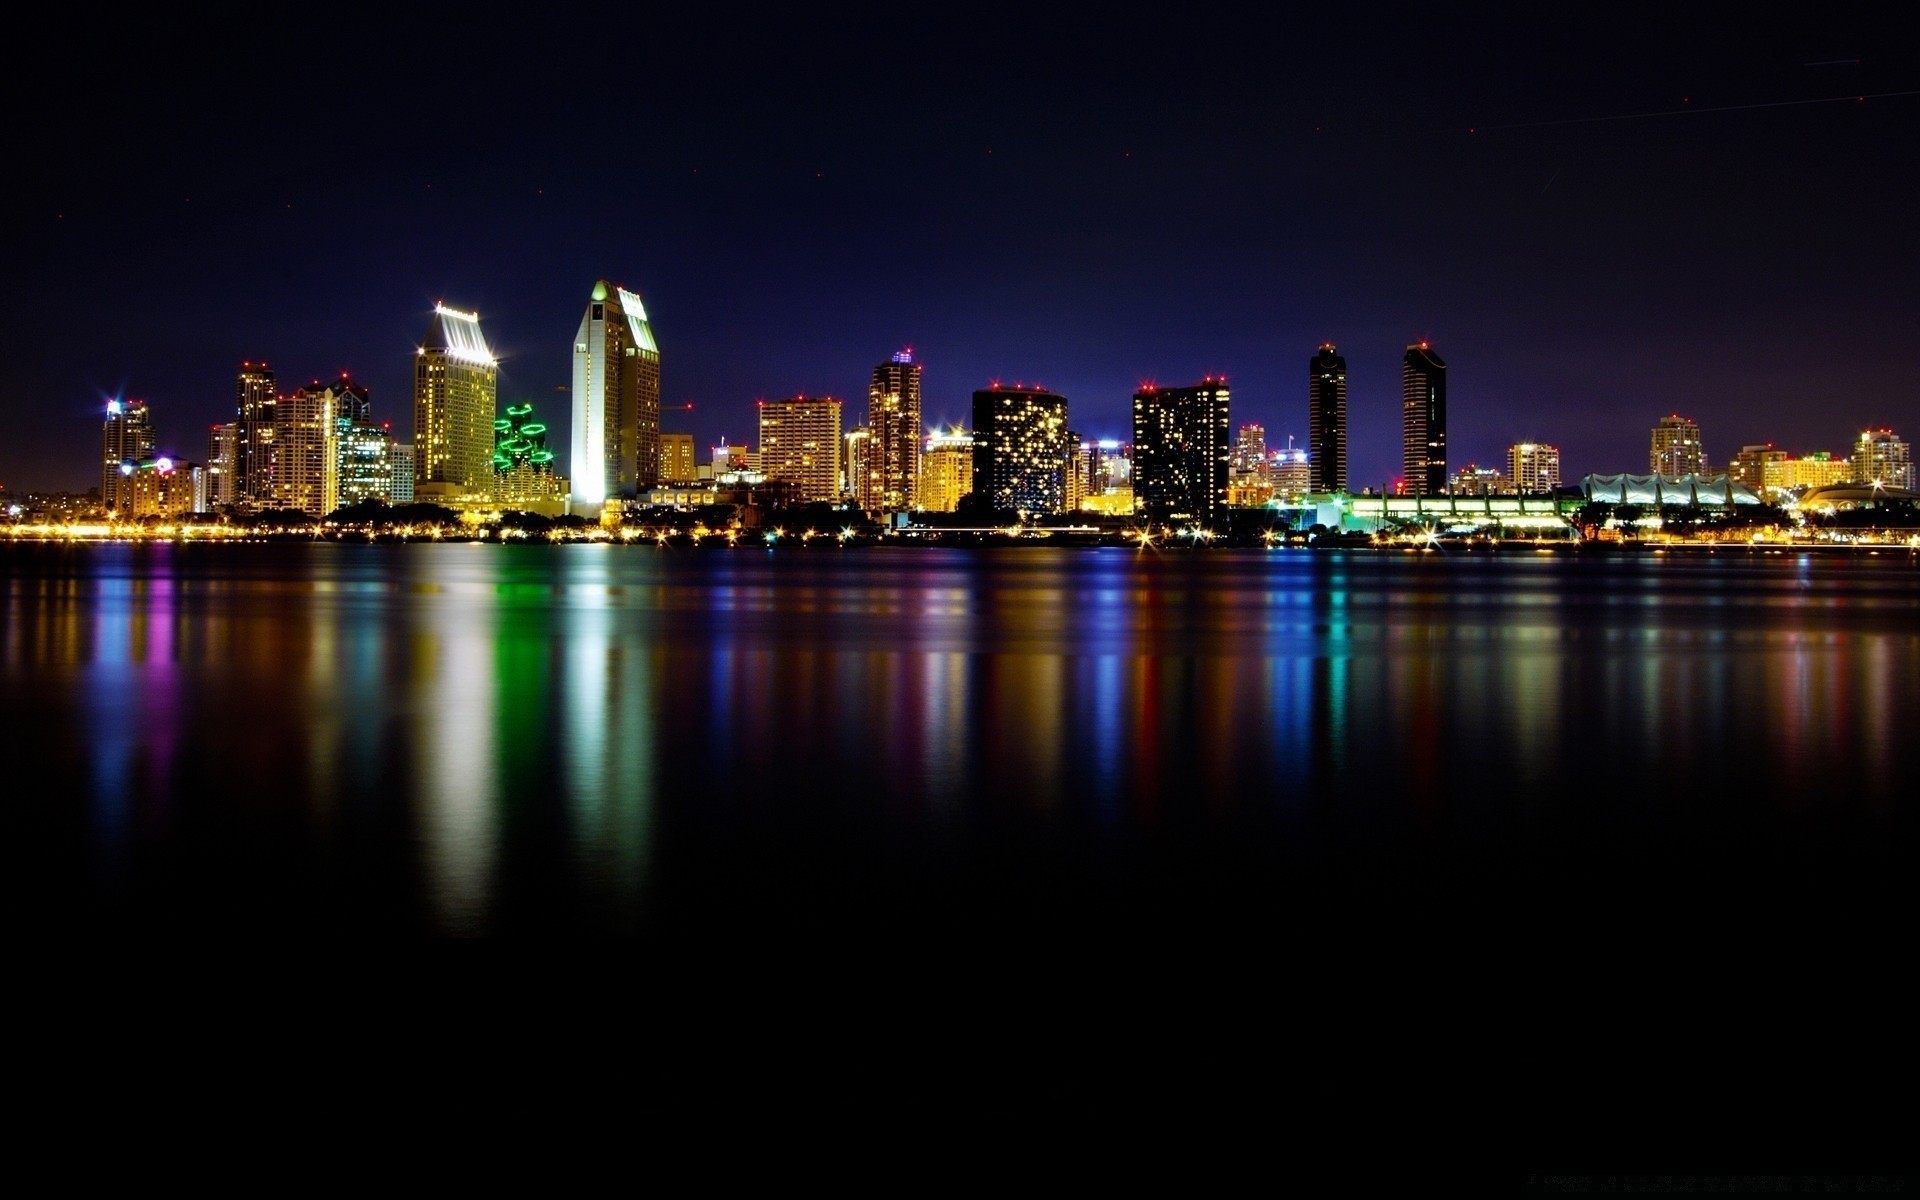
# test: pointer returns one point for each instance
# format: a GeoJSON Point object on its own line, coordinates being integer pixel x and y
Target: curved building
{"type": "Point", "coordinates": [616, 399]}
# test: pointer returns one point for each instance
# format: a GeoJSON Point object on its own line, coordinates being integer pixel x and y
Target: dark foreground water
{"type": "Point", "coordinates": [1517, 754]}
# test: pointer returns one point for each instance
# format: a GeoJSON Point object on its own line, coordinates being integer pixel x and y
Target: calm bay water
{"type": "Point", "coordinates": [1038, 746]}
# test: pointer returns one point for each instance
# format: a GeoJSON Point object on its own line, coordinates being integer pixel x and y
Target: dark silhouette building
{"type": "Point", "coordinates": [1423, 421]}
{"type": "Point", "coordinates": [1182, 447]}
{"type": "Point", "coordinates": [1327, 421]}
{"type": "Point", "coordinates": [1020, 450]}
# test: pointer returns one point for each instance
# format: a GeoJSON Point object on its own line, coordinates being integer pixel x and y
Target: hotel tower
{"type": "Point", "coordinates": [454, 379]}
{"type": "Point", "coordinates": [616, 399]}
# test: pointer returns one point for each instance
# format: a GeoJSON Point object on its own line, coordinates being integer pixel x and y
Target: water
{"type": "Point", "coordinates": [1516, 756]}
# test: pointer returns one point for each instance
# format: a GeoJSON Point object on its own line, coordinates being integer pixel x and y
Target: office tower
{"type": "Point", "coordinates": [1881, 457]}
{"type": "Point", "coordinates": [1533, 468]}
{"type": "Point", "coordinates": [306, 451]}
{"type": "Point", "coordinates": [1423, 421]}
{"type": "Point", "coordinates": [127, 438]}
{"type": "Point", "coordinates": [255, 400]}
{"type": "Point", "coordinates": [352, 401]}
{"type": "Point", "coordinates": [522, 465]}
{"type": "Point", "coordinates": [1250, 448]}
{"type": "Point", "coordinates": [946, 470]}
{"type": "Point", "coordinates": [454, 379]}
{"type": "Point", "coordinates": [1181, 451]}
{"type": "Point", "coordinates": [222, 461]}
{"type": "Point", "coordinates": [1074, 476]}
{"type": "Point", "coordinates": [1327, 421]}
{"type": "Point", "coordinates": [858, 468]}
{"type": "Point", "coordinates": [678, 466]}
{"type": "Point", "coordinates": [893, 416]}
{"type": "Point", "coordinates": [1291, 470]}
{"type": "Point", "coordinates": [366, 463]}
{"type": "Point", "coordinates": [1758, 468]}
{"type": "Point", "coordinates": [1676, 448]}
{"type": "Point", "coordinates": [616, 399]}
{"type": "Point", "coordinates": [1019, 450]}
{"type": "Point", "coordinates": [800, 445]}
{"type": "Point", "coordinates": [402, 473]}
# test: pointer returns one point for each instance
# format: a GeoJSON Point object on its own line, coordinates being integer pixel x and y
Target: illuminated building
{"type": "Point", "coordinates": [255, 400]}
{"type": "Point", "coordinates": [1250, 448]}
{"type": "Point", "coordinates": [1759, 468]}
{"type": "Point", "coordinates": [127, 439]}
{"type": "Point", "coordinates": [1181, 450]}
{"type": "Point", "coordinates": [1076, 475]}
{"type": "Point", "coordinates": [161, 487]}
{"type": "Point", "coordinates": [1019, 450]}
{"type": "Point", "coordinates": [1676, 448]}
{"type": "Point", "coordinates": [678, 467]}
{"type": "Point", "coordinates": [893, 417]}
{"type": "Point", "coordinates": [1821, 469]}
{"type": "Point", "coordinates": [306, 452]}
{"type": "Point", "coordinates": [367, 464]}
{"type": "Point", "coordinates": [402, 473]}
{"type": "Point", "coordinates": [858, 468]}
{"type": "Point", "coordinates": [946, 470]}
{"type": "Point", "coordinates": [1533, 468]}
{"type": "Point", "coordinates": [222, 462]}
{"type": "Point", "coordinates": [735, 464]}
{"type": "Point", "coordinates": [1476, 480]}
{"type": "Point", "coordinates": [800, 445]}
{"type": "Point", "coordinates": [1881, 457]}
{"type": "Point", "coordinates": [454, 379]}
{"type": "Point", "coordinates": [1291, 471]}
{"type": "Point", "coordinates": [1657, 490]}
{"type": "Point", "coordinates": [522, 465]}
{"type": "Point", "coordinates": [1327, 420]}
{"type": "Point", "coordinates": [1423, 421]}
{"type": "Point", "coordinates": [616, 399]}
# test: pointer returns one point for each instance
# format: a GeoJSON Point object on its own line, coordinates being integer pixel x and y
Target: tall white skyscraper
{"type": "Point", "coordinates": [616, 399]}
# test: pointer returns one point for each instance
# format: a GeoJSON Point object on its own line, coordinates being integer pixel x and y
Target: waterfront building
{"type": "Point", "coordinates": [1676, 447]}
{"type": "Point", "coordinates": [403, 473]}
{"type": "Point", "coordinates": [256, 397]}
{"type": "Point", "coordinates": [1759, 467]}
{"type": "Point", "coordinates": [1327, 421]}
{"type": "Point", "coordinates": [800, 445]}
{"type": "Point", "coordinates": [1656, 490]}
{"type": "Point", "coordinates": [1879, 456]}
{"type": "Point", "coordinates": [523, 472]}
{"type": "Point", "coordinates": [1423, 421]}
{"type": "Point", "coordinates": [1476, 480]}
{"type": "Point", "coordinates": [454, 381]}
{"type": "Point", "coordinates": [1820, 469]}
{"type": "Point", "coordinates": [306, 452]}
{"type": "Point", "coordinates": [159, 486]}
{"type": "Point", "coordinates": [1533, 468]}
{"type": "Point", "coordinates": [127, 438]}
{"type": "Point", "coordinates": [1250, 448]}
{"type": "Point", "coordinates": [616, 399]}
{"type": "Point", "coordinates": [893, 417]}
{"type": "Point", "coordinates": [857, 465]}
{"type": "Point", "coordinates": [1019, 450]}
{"type": "Point", "coordinates": [1181, 451]}
{"type": "Point", "coordinates": [222, 459]}
{"type": "Point", "coordinates": [1291, 471]}
{"type": "Point", "coordinates": [946, 470]}
{"type": "Point", "coordinates": [367, 461]}
{"type": "Point", "coordinates": [678, 467]}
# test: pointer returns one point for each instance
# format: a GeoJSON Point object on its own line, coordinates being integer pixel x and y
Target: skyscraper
{"type": "Point", "coordinates": [1327, 421]}
{"type": "Point", "coordinates": [1423, 421]}
{"type": "Point", "coordinates": [800, 445]}
{"type": "Point", "coordinates": [367, 463]}
{"type": "Point", "coordinates": [1676, 448]}
{"type": "Point", "coordinates": [1533, 468]}
{"type": "Point", "coordinates": [616, 399]}
{"type": "Point", "coordinates": [1019, 450]}
{"type": "Point", "coordinates": [1181, 451]}
{"type": "Point", "coordinates": [127, 438]}
{"type": "Point", "coordinates": [893, 414]}
{"type": "Point", "coordinates": [454, 379]}
{"type": "Point", "coordinates": [222, 458]}
{"type": "Point", "coordinates": [352, 401]}
{"type": "Point", "coordinates": [253, 434]}
{"type": "Point", "coordinates": [857, 468]}
{"type": "Point", "coordinates": [1881, 457]}
{"type": "Point", "coordinates": [1250, 450]}
{"type": "Point", "coordinates": [306, 451]}
{"type": "Point", "coordinates": [946, 470]}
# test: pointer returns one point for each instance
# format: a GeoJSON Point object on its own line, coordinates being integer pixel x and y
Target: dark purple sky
{"type": "Point", "coordinates": [1082, 201]}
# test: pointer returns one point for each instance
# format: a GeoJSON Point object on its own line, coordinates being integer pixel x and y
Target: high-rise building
{"type": "Point", "coordinates": [1250, 448]}
{"type": "Point", "coordinates": [946, 470]}
{"type": "Point", "coordinates": [1759, 468]}
{"type": "Point", "coordinates": [1019, 449]}
{"type": "Point", "coordinates": [522, 465]}
{"type": "Point", "coordinates": [254, 403]}
{"type": "Point", "coordinates": [367, 462]}
{"type": "Point", "coordinates": [1327, 421]}
{"type": "Point", "coordinates": [1533, 468]}
{"type": "Point", "coordinates": [1821, 469]}
{"type": "Point", "coordinates": [1291, 470]}
{"type": "Point", "coordinates": [306, 451]}
{"type": "Point", "coordinates": [800, 445]}
{"type": "Point", "coordinates": [893, 414]}
{"type": "Point", "coordinates": [1676, 448]}
{"type": "Point", "coordinates": [222, 460]}
{"type": "Point", "coordinates": [160, 486]}
{"type": "Point", "coordinates": [402, 473]}
{"type": "Point", "coordinates": [678, 467]}
{"type": "Point", "coordinates": [454, 380]}
{"type": "Point", "coordinates": [352, 401]}
{"type": "Point", "coordinates": [127, 438]}
{"type": "Point", "coordinates": [1881, 457]}
{"type": "Point", "coordinates": [1423, 421]}
{"type": "Point", "coordinates": [857, 468]}
{"type": "Point", "coordinates": [1181, 450]}
{"type": "Point", "coordinates": [616, 398]}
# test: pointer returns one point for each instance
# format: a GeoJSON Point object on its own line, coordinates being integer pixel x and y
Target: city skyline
{"type": "Point", "coordinates": [1605, 224]}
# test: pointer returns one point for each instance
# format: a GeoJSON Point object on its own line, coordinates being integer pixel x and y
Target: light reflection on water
{"type": "Point", "coordinates": [471, 739]}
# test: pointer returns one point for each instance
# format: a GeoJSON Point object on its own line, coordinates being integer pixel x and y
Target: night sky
{"type": "Point", "coordinates": [1082, 201]}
